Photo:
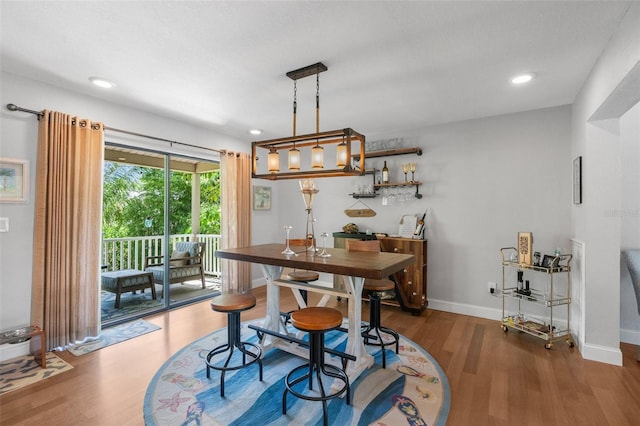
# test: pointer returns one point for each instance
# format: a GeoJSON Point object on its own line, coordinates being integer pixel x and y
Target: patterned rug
{"type": "Point", "coordinates": [19, 372]}
{"type": "Point", "coordinates": [412, 390]}
{"type": "Point", "coordinates": [113, 335]}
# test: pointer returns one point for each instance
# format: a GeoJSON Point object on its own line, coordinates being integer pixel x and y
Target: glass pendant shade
{"type": "Point", "coordinates": [317, 157]}
{"type": "Point", "coordinates": [294, 159]}
{"type": "Point", "coordinates": [341, 155]}
{"type": "Point", "coordinates": [273, 161]}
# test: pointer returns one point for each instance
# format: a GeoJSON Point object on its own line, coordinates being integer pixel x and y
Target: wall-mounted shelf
{"type": "Point", "coordinates": [390, 152]}
{"type": "Point", "coordinates": [387, 153]}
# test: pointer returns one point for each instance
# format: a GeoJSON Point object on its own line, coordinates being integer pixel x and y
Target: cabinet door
{"type": "Point", "coordinates": [412, 281]}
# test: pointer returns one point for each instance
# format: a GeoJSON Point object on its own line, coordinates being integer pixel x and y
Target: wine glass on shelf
{"type": "Point", "coordinates": [288, 251]}
{"type": "Point", "coordinates": [324, 253]}
{"type": "Point", "coordinates": [405, 169]}
{"type": "Point", "coordinates": [412, 167]}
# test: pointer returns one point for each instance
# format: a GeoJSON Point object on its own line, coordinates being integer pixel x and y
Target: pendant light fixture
{"type": "Point", "coordinates": [294, 154]}
{"type": "Point", "coordinates": [273, 161]}
{"type": "Point", "coordinates": [346, 141]}
{"type": "Point", "coordinates": [341, 154]}
{"type": "Point", "coordinates": [317, 152]}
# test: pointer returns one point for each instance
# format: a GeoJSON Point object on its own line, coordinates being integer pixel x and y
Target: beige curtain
{"type": "Point", "coordinates": [236, 218]}
{"type": "Point", "coordinates": [66, 247]}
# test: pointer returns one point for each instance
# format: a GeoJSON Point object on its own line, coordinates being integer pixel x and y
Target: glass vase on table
{"type": "Point", "coordinates": [287, 251]}
{"type": "Point", "coordinates": [324, 253]}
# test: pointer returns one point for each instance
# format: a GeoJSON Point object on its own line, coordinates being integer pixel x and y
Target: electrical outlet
{"type": "Point", "coordinates": [492, 287]}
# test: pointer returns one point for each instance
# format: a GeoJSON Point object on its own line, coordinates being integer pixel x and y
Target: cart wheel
{"type": "Point", "coordinates": [570, 343]}
{"type": "Point", "coordinates": [547, 345]}
{"type": "Point", "coordinates": [504, 328]}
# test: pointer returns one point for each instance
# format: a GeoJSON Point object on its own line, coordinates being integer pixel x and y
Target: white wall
{"type": "Point", "coordinates": [630, 220]}
{"type": "Point", "coordinates": [598, 142]}
{"type": "Point", "coordinates": [19, 140]}
{"type": "Point", "coordinates": [484, 181]}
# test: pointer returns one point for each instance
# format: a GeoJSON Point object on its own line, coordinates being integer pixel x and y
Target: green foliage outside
{"type": "Point", "coordinates": [133, 193]}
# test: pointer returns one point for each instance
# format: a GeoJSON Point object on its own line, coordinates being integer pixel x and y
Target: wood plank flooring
{"type": "Point", "coordinates": [496, 378]}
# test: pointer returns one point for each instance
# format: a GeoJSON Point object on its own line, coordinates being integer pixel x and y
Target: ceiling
{"type": "Point", "coordinates": [392, 65]}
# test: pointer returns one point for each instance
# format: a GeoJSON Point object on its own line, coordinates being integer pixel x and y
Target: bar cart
{"type": "Point", "coordinates": [547, 297]}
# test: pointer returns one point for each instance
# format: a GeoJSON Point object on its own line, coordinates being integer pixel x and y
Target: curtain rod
{"type": "Point", "coordinates": [14, 107]}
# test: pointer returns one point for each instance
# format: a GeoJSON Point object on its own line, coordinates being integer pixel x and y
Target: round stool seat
{"type": "Point", "coordinates": [233, 302]}
{"type": "Point", "coordinates": [378, 285]}
{"type": "Point", "coordinates": [304, 276]}
{"type": "Point", "coordinates": [316, 319]}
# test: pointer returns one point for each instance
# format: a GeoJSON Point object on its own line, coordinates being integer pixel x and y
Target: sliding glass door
{"type": "Point", "coordinates": [161, 227]}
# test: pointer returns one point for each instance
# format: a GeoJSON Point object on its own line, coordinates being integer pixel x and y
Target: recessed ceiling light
{"type": "Point", "coordinates": [102, 82]}
{"type": "Point", "coordinates": [523, 78]}
{"type": "Point", "coordinates": [255, 131]}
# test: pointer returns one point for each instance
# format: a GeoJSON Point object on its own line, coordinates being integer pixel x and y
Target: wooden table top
{"type": "Point", "coordinates": [342, 262]}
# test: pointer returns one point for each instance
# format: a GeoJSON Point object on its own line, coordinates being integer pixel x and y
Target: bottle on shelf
{"type": "Point", "coordinates": [420, 226]}
{"type": "Point", "coordinates": [385, 173]}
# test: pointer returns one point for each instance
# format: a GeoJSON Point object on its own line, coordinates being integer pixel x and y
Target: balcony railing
{"type": "Point", "coordinates": [130, 253]}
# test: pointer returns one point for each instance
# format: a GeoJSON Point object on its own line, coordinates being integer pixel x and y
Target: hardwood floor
{"type": "Point", "coordinates": [496, 378]}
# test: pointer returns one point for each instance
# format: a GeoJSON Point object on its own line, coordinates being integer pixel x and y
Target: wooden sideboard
{"type": "Point", "coordinates": [411, 282]}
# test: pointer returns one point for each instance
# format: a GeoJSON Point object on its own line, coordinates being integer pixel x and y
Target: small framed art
{"type": "Point", "coordinates": [14, 180]}
{"type": "Point", "coordinates": [549, 261]}
{"type": "Point", "coordinates": [262, 198]}
{"type": "Point", "coordinates": [577, 180]}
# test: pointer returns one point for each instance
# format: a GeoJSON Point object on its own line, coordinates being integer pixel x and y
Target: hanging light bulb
{"type": "Point", "coordinates": [341, 154]}
{"type": "Point", "coordinates": [294, 158]}
{"type": "Point", "coordinates": [273, 161]}
{"type": "Point", "coordinates": [317, 156]}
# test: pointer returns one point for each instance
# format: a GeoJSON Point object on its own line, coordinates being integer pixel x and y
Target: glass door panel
{"type": "Point", "coordinates": [132, 233]}
{"type": "Point", "coordinates": [194, 225]}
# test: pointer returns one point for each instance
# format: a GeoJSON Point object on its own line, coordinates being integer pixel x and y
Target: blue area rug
{"type": "Point", "coordinates": [113, 335]}
{"type": "Point", "coordinates": [412, 390]}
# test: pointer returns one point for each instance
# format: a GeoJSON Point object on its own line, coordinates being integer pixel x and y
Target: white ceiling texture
{"type": "Point", "coordinates": [391, 64]}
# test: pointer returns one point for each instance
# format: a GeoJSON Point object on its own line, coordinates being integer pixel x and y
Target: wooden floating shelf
{"type": "Point", "coordinates": [390, 152]}
{"type": "Point", "coordinates": [391, 184]}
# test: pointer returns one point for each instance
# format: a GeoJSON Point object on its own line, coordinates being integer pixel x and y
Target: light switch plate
{"type": "Point", "coordinates": [4, 224]}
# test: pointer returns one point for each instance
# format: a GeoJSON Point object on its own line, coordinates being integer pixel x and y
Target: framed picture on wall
{"type": "Point", "coordinates": [262, 198]}
{"type": "Point", "coordinates": [14, 180]}
{"type": "Point", "coordinates": [577, 180]}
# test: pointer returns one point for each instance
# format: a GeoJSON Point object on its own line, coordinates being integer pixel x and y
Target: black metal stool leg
{"type": "Point", "coordinates": [374, 326]}
{"type": "Point", "coordinates": [233, 342]}
{"type": "Point", "coordinates": [317, 367]}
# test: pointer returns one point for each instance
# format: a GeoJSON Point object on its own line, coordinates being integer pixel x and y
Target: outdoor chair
{"type": "Point", "coordinates": [185, 264]}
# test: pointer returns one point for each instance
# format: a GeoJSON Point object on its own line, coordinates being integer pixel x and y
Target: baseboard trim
{"type": "Point", "coordinates": [630, 336]}
{"type": "Point", "coordinates": [465, 309]}
{"type": "Point", "coordinates": [605, 354]}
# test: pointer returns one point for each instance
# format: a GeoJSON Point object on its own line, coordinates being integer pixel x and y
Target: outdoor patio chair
{"type": "Point", "coordinates": [185, 264]}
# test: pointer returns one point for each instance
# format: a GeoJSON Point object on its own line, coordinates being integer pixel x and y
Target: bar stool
{"type": "Point", "coordinates": [374, 330]}
{"type": "Point", "coordinates": [374, 326]}
{"type": "Point", "coordinates": [233, 304]}
{"type": "Point", "coordinates": [316, 321]}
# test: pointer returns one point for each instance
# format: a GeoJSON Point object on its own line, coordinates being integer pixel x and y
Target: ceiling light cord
{"type": "Point", "coordinates": [318, 103]}
{"type": "Point", "coordinates": [295, 105]}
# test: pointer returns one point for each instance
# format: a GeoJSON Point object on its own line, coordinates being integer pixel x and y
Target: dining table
{"type": "Point", "coordinates": [353, 266]}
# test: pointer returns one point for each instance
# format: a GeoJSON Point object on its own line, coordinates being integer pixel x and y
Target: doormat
{"type": "Point", "coordinates": [21, 371]}
{"type": "Point", "coordinates": [113, 335]}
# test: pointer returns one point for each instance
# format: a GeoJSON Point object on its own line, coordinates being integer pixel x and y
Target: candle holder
{"type": "Point", "coordinates": [308, 190]}
{"type": "Point", "coordinates": [287, 251]}
{"type": "Point", "coordinates": [324, 253]}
